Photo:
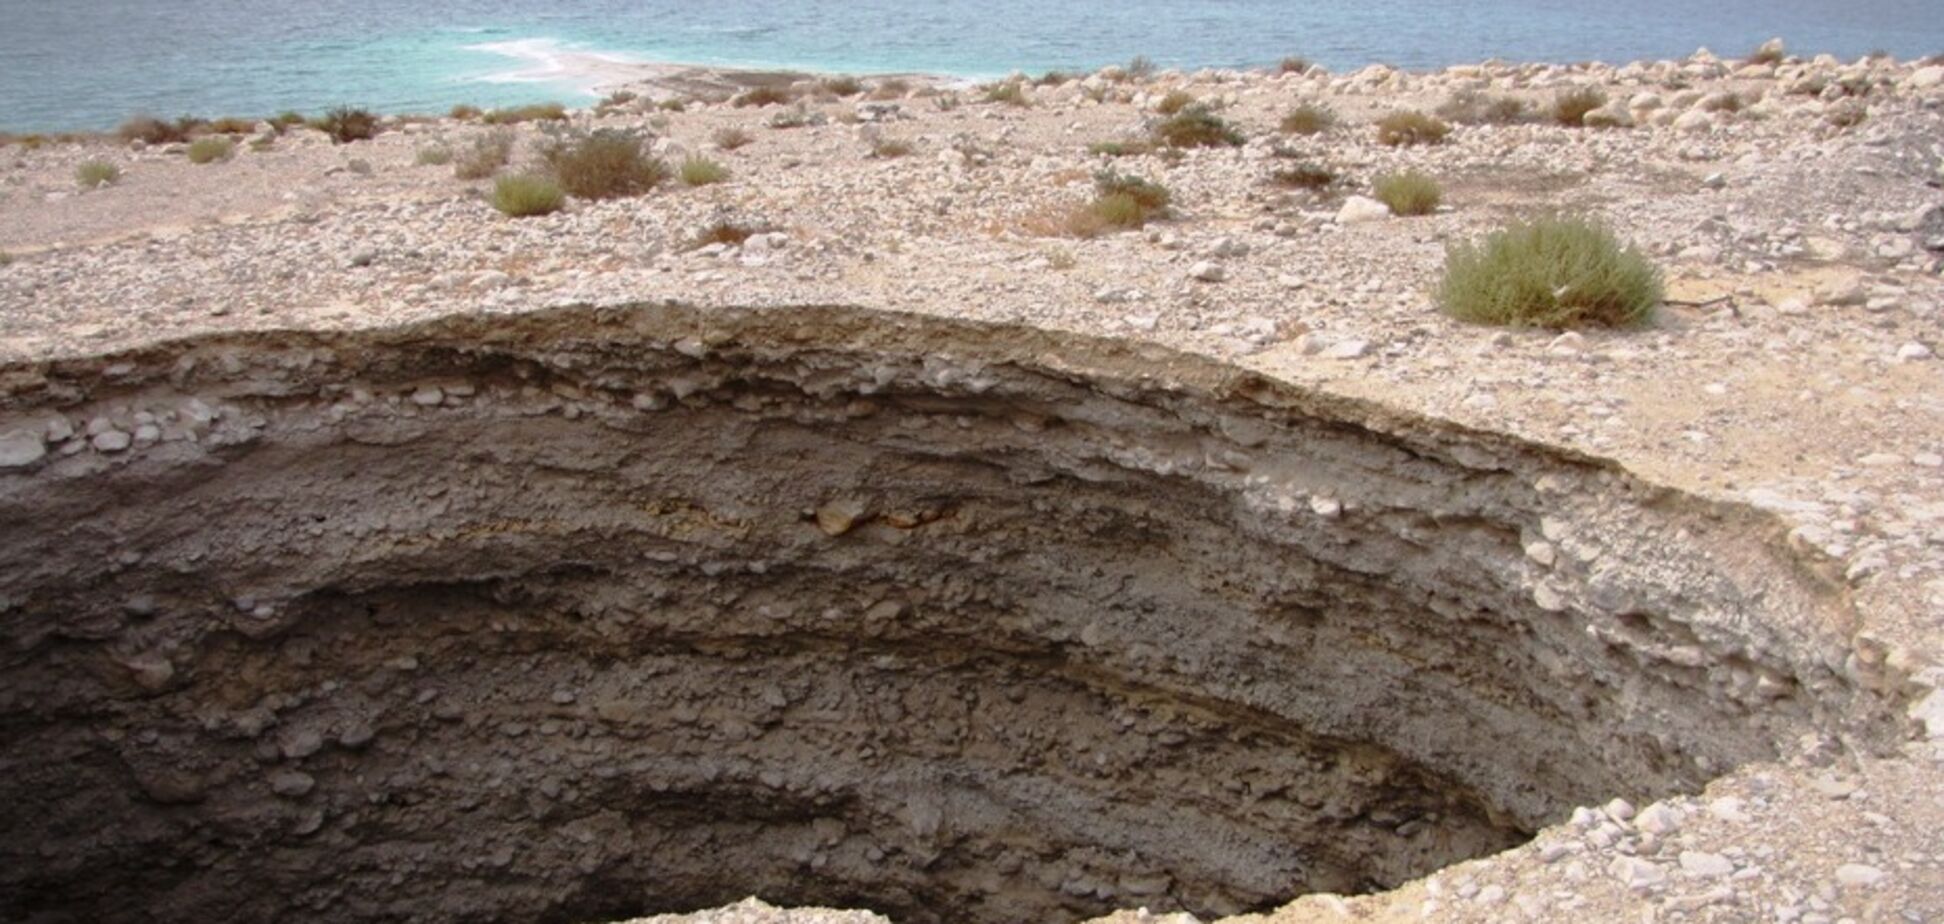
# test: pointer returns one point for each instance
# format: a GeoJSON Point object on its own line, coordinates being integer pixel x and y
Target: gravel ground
{"type": "Point", "coordinates": [1795, 369]}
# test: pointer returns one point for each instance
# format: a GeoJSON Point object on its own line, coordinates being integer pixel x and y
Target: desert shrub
{"type": "Point", "coordinates": [1294, 64]}
{"type": "Point", "coordinates": [1140, 67]}
{"type": "Point", "coordinates": [1053, 79]}
{"type": "Point", "coordinates": [1570, 107]}
{"type": "Point", "coordinates": [93, 174]}
{"type": "Point", "coordinates": [210, 150]}
{"type": "Point", "coordinates": [1009, 92]}
{"type": "Point", "coordinates": [604, 164]}
{"type": "Point", "coordinates": [1470, 107]}
{"type": "Point", "coordinates": [891, 88]}
{"type": "Point", "coordinates": [152, 130]}
{"type": "Point", "coordinates": [1152, 197]}
{"type": "Point", "coordinates": [1769, 52]}
{"type": "Point", "coordinates": [1505, 110]}
{"type": "Point", "coordinates": [619, 98]}
{"type": "Point", "coordinates": [286, 119]}
{"type": "Point", "coordinates": [1196, 127]}
{"type": "Point", "coordinates": [1408, 127]}
{"type": "Point", "coordinates": [464, 112]}
{"type": "Point", "coordinates": [264, 142]}
{"type": "Point", "coordinates": [889, 147]}
{"type": "Point", "coordinates": [1304, 176]}
{"type": "Point", "coordinates": [797, 116]}
{"type": "Point", "coordinates": [842, 85]}
{"type": "Point", "coordinates": [946, 102]}
{"type": "Point", "coordinates": [1120, 148]}
{"type": "Point", "coordinates": [725, 232]}
{"type": "Point", "coordinates": [525, 195]}
{"type": "Point", "coordinates": [697, 170]}
{"type": "Point", "coordinates": [5, 258]}
{"type": "Point", "coordinates": [230, 125]}
{"type": "Point", "coordinates": [1845, 114]}
{"type": "Point", "coordinates": [1550, 272]}
{"type": "Point", "coordinates": [1722, 102]}
{"type": "Point", "coordinates": [766, 95]}
{"type": "Point", "coordinates": [1174, 102]}
{"type": "Point", "coordinates": [1308, 119]}
{"type": "Point", "coordinates": [1408, 193]}
{"type": "Point", "coordinates": [488, 153]}
{"type": "Point", "coordinates": [345, 124]}
{"type": "Point", "coordinates": [534, 112]}
{"type": "Point", "coordinates": [436, 155]}
{"type": "Point", "coordinates": [730, 138]}
{"type": "Point", "coordinates": [672, 104]}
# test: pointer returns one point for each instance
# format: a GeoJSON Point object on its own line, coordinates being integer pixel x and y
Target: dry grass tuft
{"type": "Point", "coordinates": [527, 195]}
{"type": "Point", "coordinates": [1553, 272]}
{"type": "Point", "coordinates": [608, 163]}
{"type": "Point", "coordinates": [1570, 107]}
{"type": "Point", "coordinates": [1408, 193]}
{"type": "Point", "coordinates": [1409, 127]}
{"type": "Point", "coordinates": [1308, 119]}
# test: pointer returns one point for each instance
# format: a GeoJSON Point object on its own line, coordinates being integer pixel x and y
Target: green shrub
{"type": "Point", "coordinates": [436, 155]}
{"type": "Point", "coordinates": [1551, 272]}
{"type": "Point", "coordinates": [1409, 127]}
{"type": "Point", "coordinates": [152, 130]}
{"type": "Point", "coordinates": [1196, 127]}
{"type": "Point", "coordinates": [489, 152]}
{"type": "Point", "coordinates": [1308, 119]}
{"type": "Point", "coordinates": [93, 174]}
{"type": "Point", "coordinates": [697, 170]}
{"type": "Point", "coordinates": [535, 112]}
{"type": "Point", "coordinates": [1305, 176]}
{"type": "Point", "coordinates": [672, 104]}
{"type": "Point", "coordinates": [286, 119]}
{"type": "Point", "coordinates": [730, 138]}
{"type": "Point", "coordinates": [1174, 102]}
{"type": "Point", "coordinates": [1149, 195]}
{"type": "Point", "coordinates": [1408, 193]}
{"type": "Point", "coordinates": [1009, 92]}
{"type": "Point", "coordinates": [525, 195]}
{"type": "Point", "coordinates": [766, 95]}
{"type": "Point", "coordinates": [1569, 108]}
{"type": "Point", "coordinates": [210, 150]}
{"type": "Point", "coordinates": [605, 164]}
{"type": "Point", "coordinates": [345, 124]}
{"type": "Point", "coordinates": [464, 112]}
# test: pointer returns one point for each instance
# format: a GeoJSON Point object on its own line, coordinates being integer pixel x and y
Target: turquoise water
{"type": "Point", "coordinates": [77, 64]}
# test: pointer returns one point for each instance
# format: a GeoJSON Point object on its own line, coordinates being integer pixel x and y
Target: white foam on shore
{"type": "Point", "coordinates": [549, 60]}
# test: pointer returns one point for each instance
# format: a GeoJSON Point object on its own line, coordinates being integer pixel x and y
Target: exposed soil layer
{"type": "Point", "coordinates": [588, 613]}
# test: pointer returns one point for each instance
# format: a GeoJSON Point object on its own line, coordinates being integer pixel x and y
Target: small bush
{"type": "Point", "coordinates": [604, 164]}
{"type": "Point", "coordinates": [1054, 79]}
{"type": "Point", "coordinates": [1408, 193]}
{"type": "Point", "coordinates": [1304, 176]}
{"type": "Point", "coordinates": [1505, 110]}
{"type": "Point", "coordinates": [1196, 127]}
{"type": "Point", "coordinates": [536, 112]}
{"type": "Point", "coordinates": [1149, 195]}
{"type": "Point", "coordinates": [93, 174]}
{"type": "Point", "coordinates": [767, 95]}
{"type": "Point", "coordinates": [1569, 108]}
{"type": "Point", "coordinates": [1294, 65]}
{"type": "Point", "coordinates": [619, 98]}
{"type": "Point", "coordinates": [1009, 92]}
{"type": "Point", "coordinates": [436, 155]}
{"type": "Point", "coordinates": [465, 112]}
{"type": "Point", "coordinates": [701, 171]}
{"type": "Point", "coordinates": [1722, 102]}
{"type": "Point", "coordinates": [230, 125]}
{"type": "Point", "coordinates": [886, 148]}
{"type": "Point", "coordinates": [523, 196]}
{"type": "Point", "coordinates": [1174, 102]}
{"type": "Point", "coordinates": [672, 104]}
{"type": "Point", "coordinates": [489, 152]}
{"type": "Point", "coordinates": [1409, 127]}
{"type": "Point", "coordinates": [286, 119]}
{"type": "Point", "coordinates": [1120, 148]}
{"type": "Point", "coordinates": [1552, 272]}
{"type": "Point", "coordinates": [725, 232]}
{"type": "Point", "coordinates": [797, 116]}
{"type": "Point", "coordinates": [891, 88]}
{"type": "Point", "coordinates": [152, 130]}
{"type": "Point", "coordinates": [1769, 52]}
{"type": "Point", "coordinates": [210, 150]}
{"type": "Point", "coordinates": [1141, 67]}
{"type": "Point", "coordinates": [345, 124]}
{"type": "Point", "coordinates": [1308, 119]}
{"type": "Point", "coordinates": [1470, 107]}
{"type": "Point", "coordinates": [1845, 114]}
{"type": "Point", "coordinates": [844, 85]}
{"type": "Point", "coordinates": [730, 138]}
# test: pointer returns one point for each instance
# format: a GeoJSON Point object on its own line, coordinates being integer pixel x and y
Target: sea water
{"type": "Point", "coordinates": [87, 64]}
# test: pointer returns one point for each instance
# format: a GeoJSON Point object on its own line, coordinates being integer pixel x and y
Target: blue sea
{"type": "Point", "coordinates": [86, 64]}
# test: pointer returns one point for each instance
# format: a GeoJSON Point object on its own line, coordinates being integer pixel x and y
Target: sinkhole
{"type": "Point", "coordinates": [590, 613]}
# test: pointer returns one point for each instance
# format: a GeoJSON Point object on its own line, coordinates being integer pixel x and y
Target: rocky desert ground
{"type": "Point", "coordinates": [1796, 206]}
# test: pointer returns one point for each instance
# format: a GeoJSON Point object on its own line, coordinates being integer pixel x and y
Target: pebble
{"type": "Point", "coordinates": [1706, 865]}
{"type": "Point", "coordinates": [1637, 873]}
{"type": "Point", "coordinates": [111, 441]}
{"type": "Point", "coordinates": [1913, 352]}
{"type": "Point", "coordinates": [1208, 271]}
{"type": "Point", "coordinates": [1859, 875]}
{"type": "Point", "coordinates": [1359, 210]}
{"type": "Point", "coordinates": [21, 448]}
{"type": "Point", "coordinates": [292, 784]}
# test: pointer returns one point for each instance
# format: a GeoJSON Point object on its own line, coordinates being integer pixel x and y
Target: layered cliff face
{"type": "Point", "coordinates": [594, 612]}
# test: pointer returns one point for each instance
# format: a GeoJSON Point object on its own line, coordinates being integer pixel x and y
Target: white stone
{"type": "Point", "coordinates": [1859, 875]}
{"type": "Point", "coordinates": [1359, 210]}
{"type": "Point", "coordinates": [1346, 349]}
{"type": "Point", "coordinates": [1927, 77]}
{"type": "Point", "coordinates": [1706, 865]}
{"type": "Point", "coordinates": [1913, 352]}
{"type": "Point", "coordinates": [1694, 121]}
{"type": "Point", "coordinates": [1636, 873]}
{"type": "Point", "coordinates": [1620, 810]}
{"type": "Point", "coordinates": [1208, 271]}
{"type": "Point", "coordinates": [111, 441]}
{"type": "Point", "coordinates": [1727, 808]}
{"type": "Point", "coordinates": [1658, 819]}
{"type": "Point", "coordinates": [21, 448]}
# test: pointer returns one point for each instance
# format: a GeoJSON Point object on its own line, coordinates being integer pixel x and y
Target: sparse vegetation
{"type": "Point", "coordinates": [435, 155]}
{"type": "Point", "coordinates": [842, 86]}
{"type": "Point", "coordinates": [535, 112]}
{"type": "Point", "coordinates": [464, 112]}
{"type": "Point", "coordinates": [1053, 79]}
{"type": "Point", "coordinates": [1408, 193]}
{"type": "Point", "coordinates": [1009, 92]}
{"type": "Point", "coordinates": [886, 148]}
{"type": "Point", "coordinates": [725, 232]}
{"type": "Point", "coordinates": [697, 170]}
{"type": "Point", "coordinates": [1570, 107]}
{"type": "Point", "coordinates": [1304, 176]}
{"type": "Point", "coordinates": [1174, 102]}
{"type": "Point", "coordinates": [230, 125]}
{"type": "Point", "coordinates": [151, 130]}
{"type": "Point", "coordinates": [891, 88]}
{"type": "Point", "coordinates": [1308, 119]}
{"type": "Point", "coordinates": [730, 138]}
{"type": "Point", "coordinates": [672, 104]}
{"type": "Point", "coordinates": [1845, 114]}
{"type": "Point", "coordinates": [797, 116]}
{"type": "Point", "coordinates": [1196, 127]}
{"type": "Point", "coordinates": [1766, 53]}
{"type": "Point", "coordinates": [1141, 67]}
{"type": "Point", "coordinates": [1294, 64]}
{"type": "Point", "coordinates": [1409, 127]}
{"type": "Point", "coordinates": [766, 95]}
{"type": "Point", "coordinates": [285, 120]}
{"type": "Point", "coordinates": [527, 195]}
{"type": "Point", "coordinates": [211, 149]}
{"type": "Point", "coordinates": [489, 152]}
{"type": "Point", "coordinates": [94, 174]}
{"type": "Point", "coordinates": [1552, 272]}
{"type": "Point", "coordinates": [604, 164]}
{"type": "Point", "coordinates": [619, 98]}
{"type": "Point", "coordinates": [345, 124]}
{"type": "Point", "coordinates": [1470, 107]}
{"type": "Point", "coordinates": [1724, 101]}
{"type": "Point", "coordinates": [1120, 148]}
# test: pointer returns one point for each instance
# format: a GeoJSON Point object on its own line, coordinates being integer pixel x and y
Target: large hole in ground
{"type": "Point", "coordinates": [600, 612]}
